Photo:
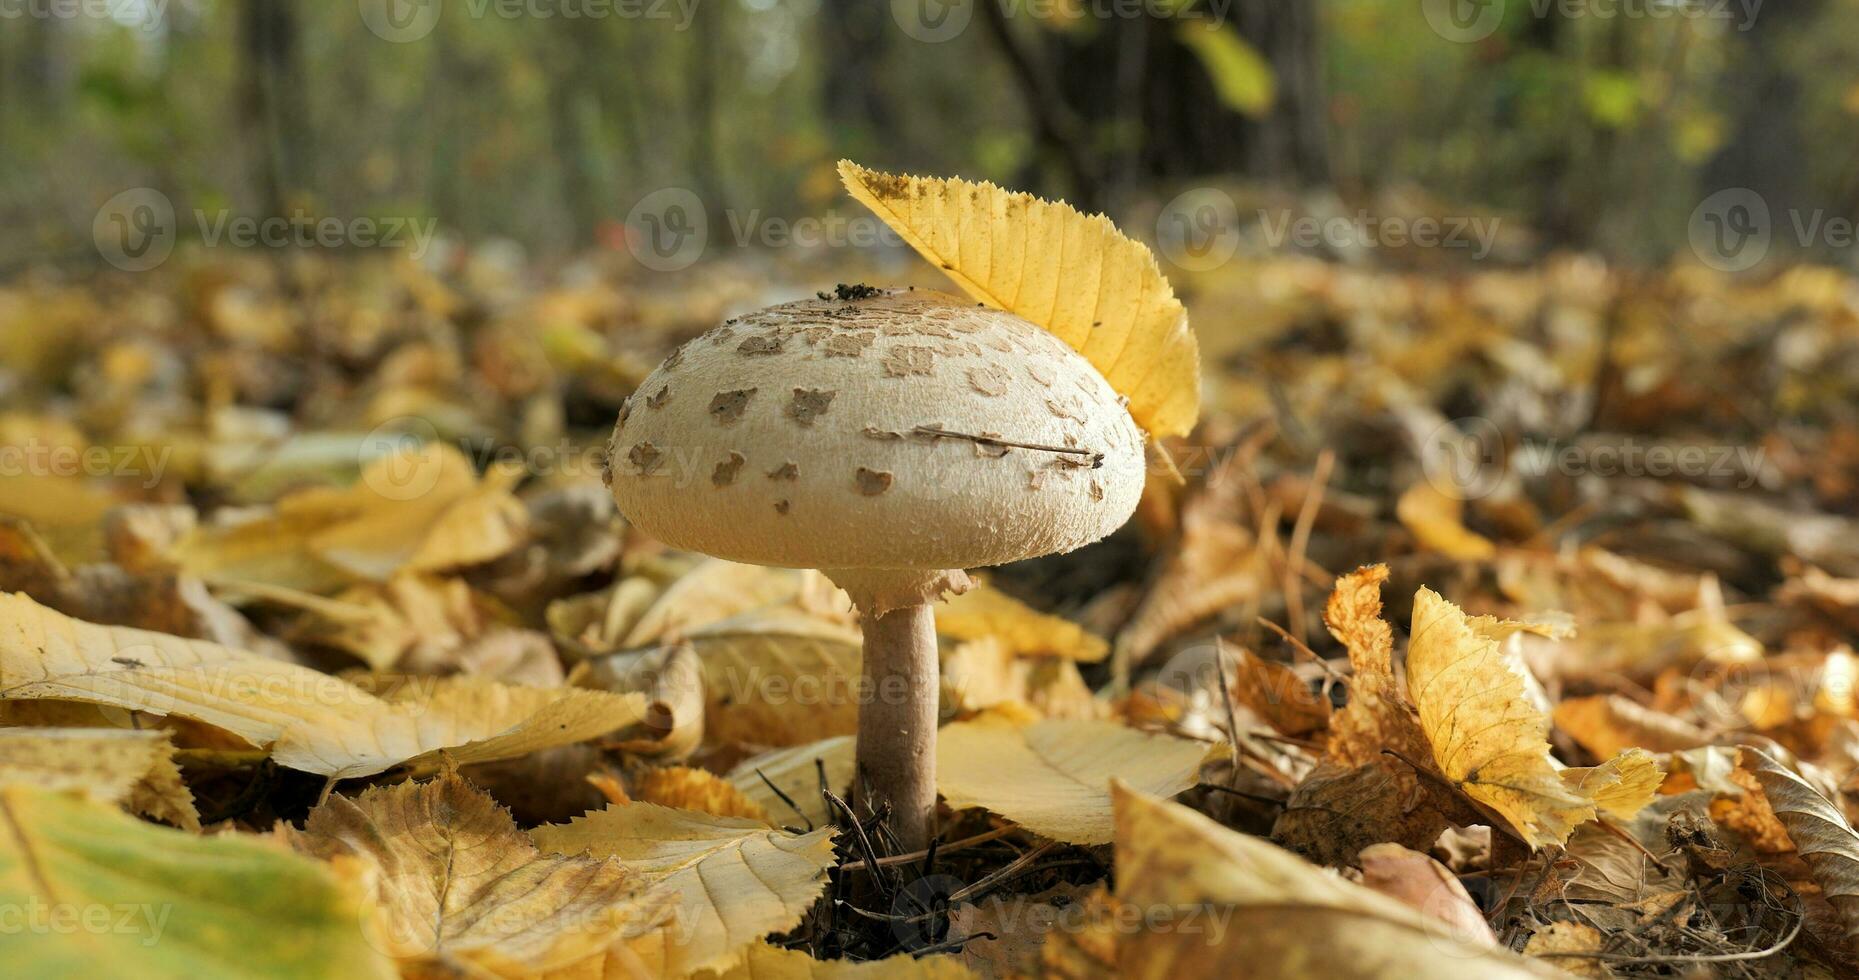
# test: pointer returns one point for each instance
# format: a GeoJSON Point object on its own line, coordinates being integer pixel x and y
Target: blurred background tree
{"type": "Point", "coordinates": [1593, 129]}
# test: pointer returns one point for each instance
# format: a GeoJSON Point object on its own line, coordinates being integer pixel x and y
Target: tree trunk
{"type": "Point", "coordinates": [271, 99]}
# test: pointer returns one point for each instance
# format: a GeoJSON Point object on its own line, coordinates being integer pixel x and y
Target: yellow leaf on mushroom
{"type": "Point", "coordinates": [1074, 274]}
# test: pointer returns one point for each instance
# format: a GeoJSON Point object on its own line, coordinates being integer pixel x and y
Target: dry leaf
{"type": "Point", "coordinates": [134, 768]}
{"type": "Point", "coordinates": [984, 612]}
{"type": "Point", "coordinates": [458, 888]}
{"type": "Point", "coordinates": [1437, 522]}
{"type": "Point", "coordinates": [737, 880]}
{"type": "Point", "coordinates": [1486, 734]}
{"type": "Point", "coordinates": [1606, 724]}
{"type": "Point", "coordinates": [1215, 898]}
{"type": "Point", "coordinates": [773, 677]}
{"type": "Point", "coordinates": [1621, 786]}
{"type": "Point", "coordinates": [1075, 275]}
{"type": "Point", "coordinates": [713, 591]}
{"type": "Point", "coordinates": [1053, 777]}
{"type": "Point", "coordinates": [309, 720]}
{"type": "Point", "coordinates": [1275, 693]}
{"type": "Point", "coordinates": [1421, 883]}
{"type": "Point", "coordinates": [1569, 937]}
{"type": "Point", "coordinates": [1822, 835]}
{"type": "Point", "coordinates": [684, 788]}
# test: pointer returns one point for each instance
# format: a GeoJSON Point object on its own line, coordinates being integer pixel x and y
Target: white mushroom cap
{"type": "Point", "coordinates": [807, 435]}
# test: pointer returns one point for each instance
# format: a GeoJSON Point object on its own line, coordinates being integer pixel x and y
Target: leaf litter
{"type": "Point", "coordinates": [376, 654]}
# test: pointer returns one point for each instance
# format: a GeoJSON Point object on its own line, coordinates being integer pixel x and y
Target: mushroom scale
{"type": "Point", "coordinates": [903, 430]}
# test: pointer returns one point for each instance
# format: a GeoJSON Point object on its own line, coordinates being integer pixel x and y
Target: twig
{"type": "Point", "coordinates": [937, 431]}
{"type": "Point", "coordinates": [1299, 646]}
{"type": "Point", "coordinates": [1012, 868]}
{"type": "Point", "coordinates": [966, 842]}
{"type": "Point", "coordinates": [1300, 540]}
{"type": "Point", "coordinates": [784, 798]}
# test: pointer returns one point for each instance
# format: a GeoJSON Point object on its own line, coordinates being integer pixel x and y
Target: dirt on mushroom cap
{"type": "Point", "coordinates": [899, 429]}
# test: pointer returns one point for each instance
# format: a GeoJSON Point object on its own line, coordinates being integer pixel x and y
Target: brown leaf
{"type": "Point", "coordinates": [1822, 835]}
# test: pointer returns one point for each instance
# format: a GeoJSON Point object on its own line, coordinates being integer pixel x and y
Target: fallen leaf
{"type": "Point", "coordinates": [985, 612]}
{"type": "Point", "coordinates": [1486, 734]}
{"type": "Point", "coordinates": [145, 901]}
{"type": "Point", "coordinates": [458, 888]}
{"type": "Point", "coordinates": [1423, 884]}
{"type": "Point", "coordinates": [1212, 897]}
{"type": "Point", "coordinates": [1053, 777]}
{"type": "Point", "coordinates": [1276, 694]}
{"type": "Point", "coordinates": [1437, 522]}
{"type": "Point", "coordinates": [1821, 834]}
{"type": "Point", "coordinates": [1622, 785]}
{"type": "Point", "coordinates": [308, 720]}
{"type": "Point", "coordinates": [1557, 939]}
{"type": "Point", "coordinates": [1075, 275]}
{"type": "Point", "coordinates": [737, 880]}
{"type": "Point", "coordinates": [713, 591]}
{"type": "Point", "coordinates": [134, 768]}
{"type": "Point", "coordinates": [684, 788]}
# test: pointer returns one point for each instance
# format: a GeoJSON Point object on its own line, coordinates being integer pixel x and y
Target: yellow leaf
{"type": "Point", "coordinates": [772, 677]}
{"type": "Point", "coordinates": [1437, 521]}
{"type": "Point", "coordinates": [123, 766]}
{"type": "Point", "coordinates": [685, 788]}
{"type": "Point", "coordinates": [987, 612]}
{"type": "Point", "coordinates": [713, 591]}
{"type": "Point", "coordinates": [1486, 734]}
{"type": "Point", "coordinates": [416, 510]}
{"type": "Point", "coordinates": [1075, 275]}
{"type": "Point", "coordinates": [1053, 777]}
{"type": "Point", "coordinates": [1621, 786]}
{"type": "Point", "coordinates": [457, 883]}
{"type": "Point", "coordinates": [796, 772]}
{"type": "Point", "coordinates": [765, 962]}
{"type": "Point", "coordinates": [1242, 79]}
{"type": "Point", "coordinates": [737, 880]}
{"type": "Point", "coordinates": [309, 720]}
{"type": "Point", "coordinates": [172, 904]}
{"type": "Point", "coordinates": [1230, 898]}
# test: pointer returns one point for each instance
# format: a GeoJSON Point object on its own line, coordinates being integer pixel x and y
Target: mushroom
{"type": "Point", "coordinates": [891, 439]}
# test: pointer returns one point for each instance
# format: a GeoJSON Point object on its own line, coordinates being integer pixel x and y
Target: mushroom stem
{"type": "Point", "coordinates": [897, 721]}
